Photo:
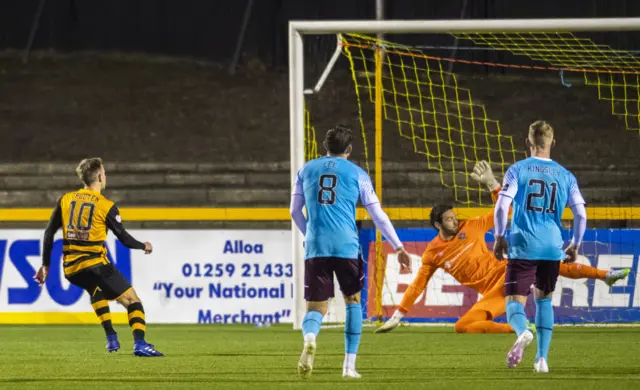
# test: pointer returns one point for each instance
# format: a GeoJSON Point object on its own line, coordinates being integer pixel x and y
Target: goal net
{"type": "Point", "coordinates": [428, 107]}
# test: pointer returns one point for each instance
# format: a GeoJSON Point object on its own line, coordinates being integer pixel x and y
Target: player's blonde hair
{"type": "Point", "coordinates": [88, 170]}
{"type": "Point", "coordinates": [540, 134]}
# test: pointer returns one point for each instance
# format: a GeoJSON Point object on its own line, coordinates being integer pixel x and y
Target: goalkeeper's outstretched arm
{"type": "Point", "coordinates": [483, 174]}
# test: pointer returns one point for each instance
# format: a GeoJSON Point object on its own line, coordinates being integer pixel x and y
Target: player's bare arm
{"type": "Point", "coordinates": [500, 248]}
{"type": "Point", "coordinates": [55, 223]}
{"type": "Point", "coordinates": [572, 253]}
{"type": "Point", "coordinates": [404, 259]}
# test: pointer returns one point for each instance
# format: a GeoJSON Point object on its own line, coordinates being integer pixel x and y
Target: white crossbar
{"type": "Point", "coordinates": [463, 26]}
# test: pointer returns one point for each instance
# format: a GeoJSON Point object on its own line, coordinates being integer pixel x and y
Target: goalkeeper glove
{"type": "Point", "coordinates": [482, 173]}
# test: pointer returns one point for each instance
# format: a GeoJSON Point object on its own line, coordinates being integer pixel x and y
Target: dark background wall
{"type": "Point", "coordinates": [203, 129]}
{"type": "Point", "coordinates": [208, 29]}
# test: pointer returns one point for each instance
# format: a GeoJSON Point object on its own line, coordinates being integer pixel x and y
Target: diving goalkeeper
{"type": "Point", "coordinates": [460, 249]}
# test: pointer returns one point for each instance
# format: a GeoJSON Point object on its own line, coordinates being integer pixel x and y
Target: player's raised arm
{"type": "Point", "coordinates": [114, 223]}
{"type": "Point", "coordinates": [297, 204]}
{"type": "Point", "coordinates": [380, 219]}
{"type": "Point", "coordinates": [55, 223]}
{"type": "Point", "coordinates": [501, 214]}
{"type": "Point", "coordinates": [576, 203]}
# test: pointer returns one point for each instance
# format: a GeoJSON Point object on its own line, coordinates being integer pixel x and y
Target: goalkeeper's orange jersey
{"type": "Point", "coordinates": [465, 256]}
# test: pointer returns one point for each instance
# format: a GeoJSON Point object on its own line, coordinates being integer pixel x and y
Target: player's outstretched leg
{"type": "Point", "coordinates": [138, 324]}
{"type": "Point", "coordinates": [518, 321]}
{"type": "Point", "coordinates": [582, 271]}
{"type": "Point", "coordinates": [352, 333]}
{"type": "Point", "coordinates": [613, 276]}
{"type": "Point", "coordinates": [101, 307]}
{"type": "Point", "coordinates": [310, 329]}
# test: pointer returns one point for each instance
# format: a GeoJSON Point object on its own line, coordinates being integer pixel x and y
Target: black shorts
{"type": "Point", "coordinates": [521, 274]}
{"type": "Point", "coordinates": [318, 277]}
{"type": "Point", "coordinates": [105, 277]}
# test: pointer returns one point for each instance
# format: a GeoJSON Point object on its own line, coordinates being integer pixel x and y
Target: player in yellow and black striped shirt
{"type": "Point", "coordinates": [84, 216]}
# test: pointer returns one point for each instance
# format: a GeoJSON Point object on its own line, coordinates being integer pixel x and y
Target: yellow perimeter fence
{"type": "Point", "coordinates": [282, 214]}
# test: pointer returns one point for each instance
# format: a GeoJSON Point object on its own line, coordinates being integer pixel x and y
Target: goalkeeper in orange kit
{"type": "Point", "coordinates": [460, 249]}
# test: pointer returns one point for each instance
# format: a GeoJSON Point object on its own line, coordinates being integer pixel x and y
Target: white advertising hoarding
{"type": "Point", "coordinates": [193, 276]}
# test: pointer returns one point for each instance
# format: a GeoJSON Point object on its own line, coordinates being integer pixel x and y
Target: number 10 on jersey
{"type": "Point", "coordinates": [82, 210]}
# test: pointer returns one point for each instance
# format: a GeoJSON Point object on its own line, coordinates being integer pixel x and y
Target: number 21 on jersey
{"type": "Point", "coordinates": [537, 190]}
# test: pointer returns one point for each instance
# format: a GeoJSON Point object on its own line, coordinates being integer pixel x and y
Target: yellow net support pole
{"type": "Point", "coordinates": [378, 178]}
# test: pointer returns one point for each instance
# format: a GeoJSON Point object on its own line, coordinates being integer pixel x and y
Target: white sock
{"type": "Point", "coordinates": [398, 314]}
{"type": "Point", "coordinates": [309, 338]}
{"type": "Point", "coordinates": [349, 362]}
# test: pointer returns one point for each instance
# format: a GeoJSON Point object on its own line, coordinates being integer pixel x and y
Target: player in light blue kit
{"type": "Point", "coordinates": [330, 187]}
{"type": "Point", "coordinates": [539, 189]}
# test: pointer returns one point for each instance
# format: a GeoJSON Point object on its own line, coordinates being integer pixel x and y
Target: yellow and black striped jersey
{"type": "Point", "coordinates": [85, 216]}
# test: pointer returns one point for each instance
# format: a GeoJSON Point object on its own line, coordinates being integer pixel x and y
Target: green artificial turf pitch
{"type": "Point", "coordinates": [228, 356]}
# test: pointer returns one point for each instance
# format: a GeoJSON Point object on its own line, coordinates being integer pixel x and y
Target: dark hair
{"type": "Point", "coordinates": [436, 213]}
{"type": "Point", "coordinates": [88, 170]}
{"type": "Point", "coordinates": [338, 140]}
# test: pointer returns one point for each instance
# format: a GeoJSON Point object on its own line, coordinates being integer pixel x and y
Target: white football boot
{"type": "Point", "coordinates": [541, 365]}
{"type": "Point", "coordinates": [390, 325]}
{"type": "Point", "coordinates": [305, 364]}
{"type": "Point", "coordinates": [350, 373]}
{"type": "Point", "coordinates": [614, 275]}
{"type": "Point", "coordinates": [514, 357]}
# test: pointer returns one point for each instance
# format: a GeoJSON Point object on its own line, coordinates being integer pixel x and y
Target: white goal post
{"type": "Point", "coordinates": [297, 82]}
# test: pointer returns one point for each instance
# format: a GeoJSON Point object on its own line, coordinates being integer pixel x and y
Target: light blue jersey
{"type": "Point", "coordinates": [331, 187]}
{"type": "Point", "coordinates": [541, 189]}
